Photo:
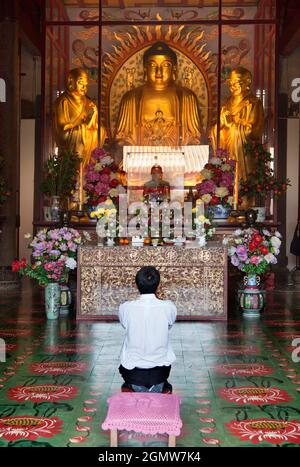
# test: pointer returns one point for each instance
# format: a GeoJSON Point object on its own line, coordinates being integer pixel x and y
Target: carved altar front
{"type": "Point", "coordinates": [194, 278]}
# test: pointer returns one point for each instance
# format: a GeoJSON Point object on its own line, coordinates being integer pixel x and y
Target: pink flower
{"type": "Point", "coordinates": [255, 259]}
{"type": "Point", "coordinates": [208, 187]}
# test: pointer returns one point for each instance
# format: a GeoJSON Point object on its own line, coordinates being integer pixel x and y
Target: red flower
{"type": "Point", "coordinates": [101, 199]}
{"type": "Point", "coordinates": [257, 239]}
{"type": "Point", "coordinates": [264, 429]}
{"type": "Point", "coordinates": [106, 171]}
{"type": "Point", "coordinates": [214, 200]}
{"type": "Point", "coordinates": [114, 183]}
{"type": "Point", "coordinates": [264, 249]}
{"type": "Point", "coordinates": [29, 427]}
{"type": "Point", "coordinates": [252, 246]}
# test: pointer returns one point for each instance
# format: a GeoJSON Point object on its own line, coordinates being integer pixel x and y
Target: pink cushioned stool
{"type": "Point", "coordinates": [143, 412]}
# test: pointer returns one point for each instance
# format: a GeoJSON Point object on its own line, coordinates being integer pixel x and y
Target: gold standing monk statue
{"type": "Point", "coordinates": [159, 112]}
{"type": "Point", "coordinates": [241, 120]}
{"type": "Point", "coordinates": [75, 122]}
{"type": "Point", "coordinates": [75, 117]}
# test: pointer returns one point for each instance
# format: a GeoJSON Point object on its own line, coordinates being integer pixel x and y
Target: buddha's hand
{"type": "Point", "coordinates": [226, 119]}
{"type": "Point", "coordinates": [68, 126]}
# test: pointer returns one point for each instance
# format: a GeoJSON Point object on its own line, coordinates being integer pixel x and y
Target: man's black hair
{"type": "Point", "coordinates": [147, 279]}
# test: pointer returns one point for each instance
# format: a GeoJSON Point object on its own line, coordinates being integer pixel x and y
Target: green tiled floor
{"type": "Point", "coordinates": [238, 384]}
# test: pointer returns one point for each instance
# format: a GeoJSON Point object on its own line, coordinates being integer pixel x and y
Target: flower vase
{"type": "Point", "coordinates": [55, 208]}
{"type": "Point", "coordinates": [65, 299]}
{"type": "Point", "coordinates": [52, 300]}
{"type": "Point", "coordinates": [218, 212]}
{"type": "Point", "coordinates": [110, 241]}
{"type": "Point", "coordinates": [251, 298]}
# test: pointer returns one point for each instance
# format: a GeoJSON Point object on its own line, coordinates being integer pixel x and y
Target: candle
{"type": "Point", "coordinates": [80, 187]}
{"type": "Point", "coordinates": [236, 187]}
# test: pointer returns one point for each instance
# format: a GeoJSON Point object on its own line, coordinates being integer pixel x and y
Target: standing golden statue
{"type": "Point", "coordinates": [75, 122]}
{"type": "Point", "coordinates": [159, 112]}
{"type": "Point", "coordinates": [241, 120]}
{"type": "Point", "coordinates": [75, 118]}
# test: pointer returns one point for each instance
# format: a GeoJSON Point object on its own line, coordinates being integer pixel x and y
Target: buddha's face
{"type": "Point", "coordinates": [238, 84]}
{"type": "Point", "coordinates": [80, 85]}
{"type": "Point", "coordinates": [159, 71]}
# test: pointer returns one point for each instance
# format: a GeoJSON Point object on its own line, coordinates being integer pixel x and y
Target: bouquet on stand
{"type": "Point", "coordinates": [103, 180]}
{"type": "Point", "coordinates": [54, 255]}
{"type": "Point", "coordinates": [216, 188]}
{"type": "Point", "coordinates": [253, 251]}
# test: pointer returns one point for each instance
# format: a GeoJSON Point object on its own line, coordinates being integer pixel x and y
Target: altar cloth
{"type": "Point", "coordinates": [194, 278]}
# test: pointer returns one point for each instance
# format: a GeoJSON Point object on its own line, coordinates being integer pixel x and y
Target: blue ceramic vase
{"type": "Point", "coordinates": [251, 298]}
{"type": "Point", "coordinates": [52, 300]}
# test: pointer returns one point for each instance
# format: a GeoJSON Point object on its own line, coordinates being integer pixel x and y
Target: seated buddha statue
{"type": "Point", "coordinates": [156, 189]}
{"type": "Point", "coordinates": [160, 112]}
{"type": "Point", "coordinates": [241, 121]}
{"type": "Point", "coordinates": [75, 118]}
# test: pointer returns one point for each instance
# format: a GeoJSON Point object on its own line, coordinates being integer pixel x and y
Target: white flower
{"type": "Point", "coordinates": [107, 160]}
{"type": "Point", "coordinates": [202, 241]}
{"type": "Point", "coordinates": [98, 167]}
{"type": "Point", "coordinates": [207, 174]}
{"type": "Point", "coordinates": [266, 233]}
{"type": "Point", "coordinates": [71, 263]}
{"type": "Point", "coordinates": [238, 232]}
{"type": "Point", "coordinates": [222, 191]}
{"type": "Point", "coordinates": [87, 236]}
{"type": "Point", "coordinates": [206, 198]}
{"type": "Point", "coordinates": [226, 167]}
{"type": "Point", "coordinates": [27, 235]}
{"type": "Point", "coordinates": [231, 250]}
{"type": "Point", "coordinates": [225, 241]}
{"type": "Point", "coordinates": [270, 258]}
{"type": "Point", "coordinates": [201, 219]}
{"type": "Point", "coordinates": [278, 234]}
{"type": "Point", "coordinates": [215, 161]}
{"type": "Point", "coordinates": [276, 251]}
{"type": "Point", "coordinates": [113, 192]}
{"type": "Point", "coordinates": [108, 202]}
{"type": "Point", "coordinates": [276, 242]}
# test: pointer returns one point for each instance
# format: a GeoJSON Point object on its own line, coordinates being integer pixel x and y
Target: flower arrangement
{"type": "Point", "coordinates": [60, 174]}
{"type": "Point", "coordinates": [107, 211]}
{"type": "Point", "coordinates": [262, 181]}
{"type": "Point", "coordinates": [102, 179]}
{"type": "Point", "coordinates": [54, 253]}
{"type": "Point", "coordinates": [204, 229]}
{"type": "Point", "coordinates": [218, 180]}
{"type": "Point", "coordinates": [253, 251]}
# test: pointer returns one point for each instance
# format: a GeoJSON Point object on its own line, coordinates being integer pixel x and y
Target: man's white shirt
{"type": "Point", "coordinates": [147, 321]}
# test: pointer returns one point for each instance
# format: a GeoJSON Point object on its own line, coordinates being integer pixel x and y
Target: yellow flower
{"type": "Point", "coordinates": [201, 218]}
{"type": "Point", "coordinates": [93, 214]}
{"type": "Point", "coordinates": [101, 211]}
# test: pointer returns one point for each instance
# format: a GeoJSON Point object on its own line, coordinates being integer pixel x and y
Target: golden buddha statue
{"type": "Point", "coordinates": [159, 112]}
{"type": "Point", "coordinates": [156, 189]}
{"type": "Point", "coordinates": [241, 120]}
{"type": "Point", "coordinates": [75, 118]}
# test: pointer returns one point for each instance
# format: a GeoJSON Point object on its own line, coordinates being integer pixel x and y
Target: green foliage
{"type": "Point", "coordinates": [60, 174]}
{"type": "Point", "coordinates": [262, 181]}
